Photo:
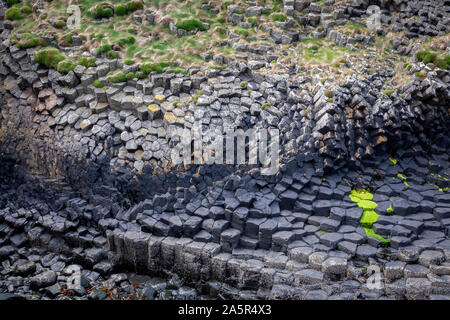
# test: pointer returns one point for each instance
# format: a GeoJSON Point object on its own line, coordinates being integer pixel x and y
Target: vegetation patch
{"type": "Point", "coordinates": [191, 25]}
{"type": "Point", "coordinates": [65, 66]}
{"type": "Point", "coordinates": [279, 17]}
{"type": "Point", "coordinates": [87, 62]}
{"type": "Point", "coordinates": [388, 92]}
{"type": "Point", "coordinates": [30, 40]}
{"type": "Point", "coordinates": [98, 84]}
{"type": "Point", "coordinates": [120, 10]}
{"type": "Point", "coordinates": [265, 105]}
{"type": "Point", "coordinates": [112, 54]}
{"type": "Point", "coordinates": [14, 14]}
{"type": "Point", "coordinates": [433, 57]}
{"type": "Point", "coordinates": [103, 11]}
{"type": "Point", "coordinates": [120, 77]}
{"type": "Point", "coordinates": [49, 57]}
{"type": "Point", "coordinates": [154, 67]}
{"type": "Point", "coordinates": [134, 5]}
{"type": "Point", "coordinates": [198, 93]}
{"type": "Point", "coordinates": [403, 178]}
{"type": "Point", "coordinates": [363, 198]}
{"type": "Point", "coordinates": [126, 41]}
{"type": "Point", "coordinates": [328, 93]}
{"type": "Point", "coordinates": [104, 48]}
{"type": "Point", "coordinates": [26, 9]}
{"type": "Point", "coordinates": [60, 24]}
{"type": "Point", "coordinates": [68, 40]}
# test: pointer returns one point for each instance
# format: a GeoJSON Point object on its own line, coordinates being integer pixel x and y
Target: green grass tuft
{"type": "Point", "coordinates": [103, 11]}
{"type": "Point", "coordinates": [112, 54]}
{"type": "Point", "coordinates": [104, 48]}
{"type": "Point", "coordinates": [26, 9]}
{"type": "Point", "coordinates": [426, 56]}
{"type": "Point", "coordinates": [190, 25]}
{"type": "Point", "coordinates": [198, 93]}
{"type": "Point", "coordinates": [279, 17]}
{"type": "Point", "coordinates": [126, 41]}
{"type": "Point", "coordinates": [30, 40]}
{"type": "Point", "coordinates": [134, 5]}
{"type": "Point", "coordinates": [87, 62]}
{"type": "Point", "coordinates": [49, 57]}
{"type": "Point", "coordinates": [157, 67]}
{"type": "Point", "coordinates": [14, 14]}
{"type": "Point", "coordinates": [98, 84]}
{"type": "Point", "coordinates": [120, 77]}
{"type": "Point", "coordinates": [65, 66]}
{"type": "Point", "coordinates": [60, 24]}
{"type": "Point", "coordinates": [120, 10]}
{"type": "Point", "coordinates": [328, 93]}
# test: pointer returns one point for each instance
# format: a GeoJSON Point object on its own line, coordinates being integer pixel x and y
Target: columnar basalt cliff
{"type": "Point", "coordinates": [87, 176]}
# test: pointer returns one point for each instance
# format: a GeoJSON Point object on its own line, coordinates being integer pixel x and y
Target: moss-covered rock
{"type": "Point", "coordinates": [120, 10]}
{"type": "Point", "coordinates": [14, 14]}
{"type": "Point", "coordinates": [65, 66]}
{"type": "Point", "coordinates": [191, 25]}
{"type": "Point", "coordinates": [87, 62]}
{"type": "Point", "coordinates": [364, 200]}
{"type": "Point", "coordinates": [49, 57]}
{"type": "Point", "coordinates": [30, 40]}
{"type": "Point", "coordinates": [98, 84]}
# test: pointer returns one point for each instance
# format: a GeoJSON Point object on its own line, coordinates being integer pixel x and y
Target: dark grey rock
{"type": "Point", "coordinates": [42, 280]}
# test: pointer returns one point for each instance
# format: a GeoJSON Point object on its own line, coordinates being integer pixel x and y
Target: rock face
{"type": "Point", "coordinates": [45, 279]}
{"type": "Point", "coordinates": [86, 174]}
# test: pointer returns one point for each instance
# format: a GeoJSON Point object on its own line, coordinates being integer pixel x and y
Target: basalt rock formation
{"type": "Point", "coordinates": [87, 177]}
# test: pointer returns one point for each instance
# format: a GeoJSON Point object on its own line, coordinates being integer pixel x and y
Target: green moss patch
{"type": "Point", "coordinates": [371, 233]}
{"type": "Point", "coordinates": [65, 66]}
{"type": "Point", "coordinates": [438, 176]}
{"type": "Point", "coordinates": [441, 189]}
{"type": "Point", "coordinates": [433, 57]}
{"type": "Point", "coordinates": [98, 84]}
{"type": "Point", "coordinates": [103, 11]}
{"type": "Point", "coordinates": [30, 40]}
{"type": "Point", "coordinates": [364, 200]}
{"type": "Point", "coordinates": [190, 25]}
{"type": "Point", "coordinates": [87, 62]}
{"type": "Point", "coordinates": [49, 57]}
{"type": "Point", "coordinates": [13, 14]}
{"type": "Point", "coordinates": [112, 54]}
{"type": "Point", "coordinates": [388, 92]}
{"type": "Point", "coordinates": [157, 67]}
{"type": "Point", "coordinates": [134, 5]}
{"type": "Point", "coordinates": [120, 10]}
{"type": "Point", "coordinates": [120, 77]}
{"type": "Point", "coordinates": [403, 178]}
{"type": "Point", "coordinates": [279, 17]}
